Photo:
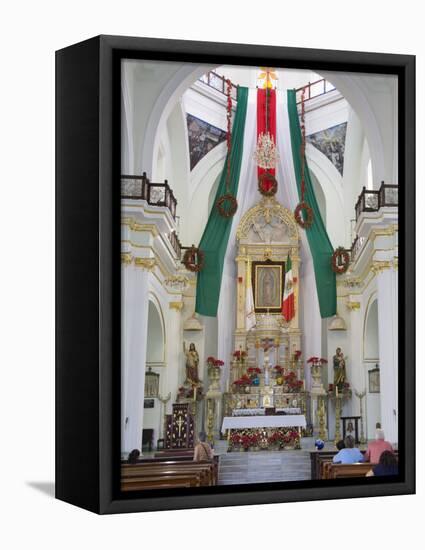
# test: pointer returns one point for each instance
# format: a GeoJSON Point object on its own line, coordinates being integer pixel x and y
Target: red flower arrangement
{"type": "Point", "coordinates": [291, 382]}
{"type": "Point", "coordinates": [239, 354]}
{"type": "Point", "coordinates": [331, 387]}
{"type": "Point", "coordinates": [244, 381]}
{"type": "Point", "coordinates": [283, 437]}
{"type": "Point", "coordinates": [215, 362]}
{"type": "Point", "coordinates": [235, 439]}
{"type": "Point", "coordinates": [278, 368]}
{"type": "Point", "coordinates": [316, 360]}
{"type": "Point", "coordinates": [254, 370]}
{"type": "Point", "coordinates": [297, 354]}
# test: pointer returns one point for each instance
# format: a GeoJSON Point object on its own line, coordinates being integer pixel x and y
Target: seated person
{"type": "Point", "coordinates": [203, 449]}
{"type": "Point", "coordinates": [340, 444]}
{"type": "Point", "coordinates": [349, 455]}
{"type": "Point", "coordinates": [133, 457]}
{"type": "Point", "coordinates": [388, 465]}
{"type": "Point", "coordinates": [377, 447]}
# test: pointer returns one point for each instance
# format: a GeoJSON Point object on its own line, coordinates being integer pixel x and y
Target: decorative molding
{"type": "Point", "coordinates": [380, 265]}
{"type": "Point", "coordinates": [136, 226]}
{"type": "Point", "coordinates": [352, 306]}
{"type": "Point", "coordinates": [149, 228]}
{"type": "Point", "coordinates": [383, 232]}
{"type": "Point", "coordinates": [267, 209]}
{"type": "Point", "coordinates": [395, 262]}
{"type": "Point", "coordinates": [126, 258]}
{"type": "Point", "coordinates": [176, 305]}
{"type": "Point", "coordinates": [268, 253]}
{"type": "Point", "coordinates": [350, 282]}
{"type": "Point", "coordinates": [145, 263]}
{"type": "Point", "coordinates": [179, 282]}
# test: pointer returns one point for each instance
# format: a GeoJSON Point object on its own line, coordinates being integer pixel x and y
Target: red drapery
{"type": "Point", "coordinates": [266, 119]}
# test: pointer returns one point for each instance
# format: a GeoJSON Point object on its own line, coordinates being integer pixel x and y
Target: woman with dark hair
{"type": "Point", "coordinates": [388, 465]}
{"type": "Point", "coordinates": [133, 457]}
{"type": "Point", "coordinates": [340, 444]}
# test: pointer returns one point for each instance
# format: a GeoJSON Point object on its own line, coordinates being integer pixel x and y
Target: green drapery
{"type": "Point", "coordinates": [216, 234]}
{"type": "Point", "coordinates": [318, 240]}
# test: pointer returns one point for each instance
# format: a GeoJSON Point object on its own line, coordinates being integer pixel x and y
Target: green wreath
{"type": "Point", "coordinates": [338, 268]}
{"type": "Point", "coordinates": [193, 259]}
{"type": "Point", "coordinates": [267, 184]}
{"type": "Point", "coordinates": [227, 205]}
{"type": "Point", "coordinates": [309, 216]}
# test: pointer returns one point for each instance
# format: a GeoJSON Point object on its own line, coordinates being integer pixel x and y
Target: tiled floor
{"type": "Point", "coordinates": [263, 466]}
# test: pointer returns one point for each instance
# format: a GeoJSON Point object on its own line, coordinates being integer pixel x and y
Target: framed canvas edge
{"type": "Point", "coordinates": [108, 502]}
{"type": "Point", "coordinates": [404, 67]}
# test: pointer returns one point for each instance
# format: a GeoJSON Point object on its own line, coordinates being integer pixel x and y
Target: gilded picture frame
{"type": "Point", "coordinates": [268, 284]}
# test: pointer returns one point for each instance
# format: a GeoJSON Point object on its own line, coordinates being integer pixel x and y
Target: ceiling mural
{"type": "Point", "coordinates": [331, 142]}
{"type": "Point", "coordinates": [202, 138]}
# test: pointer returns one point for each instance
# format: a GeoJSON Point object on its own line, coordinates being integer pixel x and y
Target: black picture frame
{"type": "Point", "coordinates": [88, 272]}
{"type": "Point", "coordinates": [374, 380]}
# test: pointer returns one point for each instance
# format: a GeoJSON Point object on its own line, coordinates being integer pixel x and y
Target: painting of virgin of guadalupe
{"type": "Point", "coordinates": [268, 287]}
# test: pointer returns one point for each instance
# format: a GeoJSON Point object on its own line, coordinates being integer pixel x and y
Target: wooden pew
{"type": "Point", "coordinates": [188, 453]}
{"type": "Point", "coordinates": [205, 470]}
{"type": "Point", "coordinates": [160, 482]}
{"type": "Point", "coordinates": [167, 460]}
{"type": "Point", "coordinates": [317, 458]}
{"type": "Point", "coordinates": [157, 473]}
{"type": "Point", "coordinates": [337, 471]}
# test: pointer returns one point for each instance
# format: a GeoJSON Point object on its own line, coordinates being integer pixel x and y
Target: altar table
{"type": "Point", "coordinates": [275, 421]}
{"type": "Point", "coordinates": [262, 412]}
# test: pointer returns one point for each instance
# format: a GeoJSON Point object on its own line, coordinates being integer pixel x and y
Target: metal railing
{"type": "Point", "coordinates": [314, 89]}
{"type": "Point", "coordinates": [155, 194]}
{"type": "Point", "coordinates": [372, 201]}
{"type": "Point", "coordinates": [176, 244]}
{"type": "Point", "coordinates": [218, 82]}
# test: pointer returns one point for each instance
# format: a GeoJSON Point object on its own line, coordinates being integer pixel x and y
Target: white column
{"type": "Point", "coordinates": [388, 347]}
{"type": "Point", "coordinates": [174, 352]}
{"type": "Point", "coordinates": [135, 322]}
{"type": "Point", "coordinates": [355, 370]}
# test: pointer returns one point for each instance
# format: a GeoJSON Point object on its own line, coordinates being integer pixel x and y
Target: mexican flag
{"type": "Point", "coordinates": [288, 301]}
{"type": "Point", "coordinates": [250, 319]}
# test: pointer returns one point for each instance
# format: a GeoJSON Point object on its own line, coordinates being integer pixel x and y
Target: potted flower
{"type": "Point", "coordinates": [214, 372]}
{"type": "Point", "coordinates": [235, 441]}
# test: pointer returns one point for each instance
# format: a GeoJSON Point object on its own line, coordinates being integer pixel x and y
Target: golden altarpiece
{"type": "Point", "coordinates": [267, 234]}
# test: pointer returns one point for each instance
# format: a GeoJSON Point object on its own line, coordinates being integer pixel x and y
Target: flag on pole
{"type": "Point", "coordinates": [288, 301]}
{"type": "Point", "coordinates": [250, 320]}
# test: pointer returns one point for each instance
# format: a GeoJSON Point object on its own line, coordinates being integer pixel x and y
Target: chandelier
{"type": "Point", "coordinates": [266, 154]}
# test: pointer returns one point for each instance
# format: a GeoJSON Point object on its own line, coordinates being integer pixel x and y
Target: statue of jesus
{"type": "Point", "coordinates": [192, 362]}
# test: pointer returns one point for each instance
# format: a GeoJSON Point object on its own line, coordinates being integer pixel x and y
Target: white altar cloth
{"type": "Point", "coordinates": [262, 412]}
{"type": "Point", "coordinates": [275, 421]}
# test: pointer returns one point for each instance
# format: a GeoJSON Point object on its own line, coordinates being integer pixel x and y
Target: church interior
{"type": "Point", "coordinates": [259, 269]}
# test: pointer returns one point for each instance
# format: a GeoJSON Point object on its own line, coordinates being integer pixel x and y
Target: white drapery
{"type": "Point", "coordinates": [248, 196]}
